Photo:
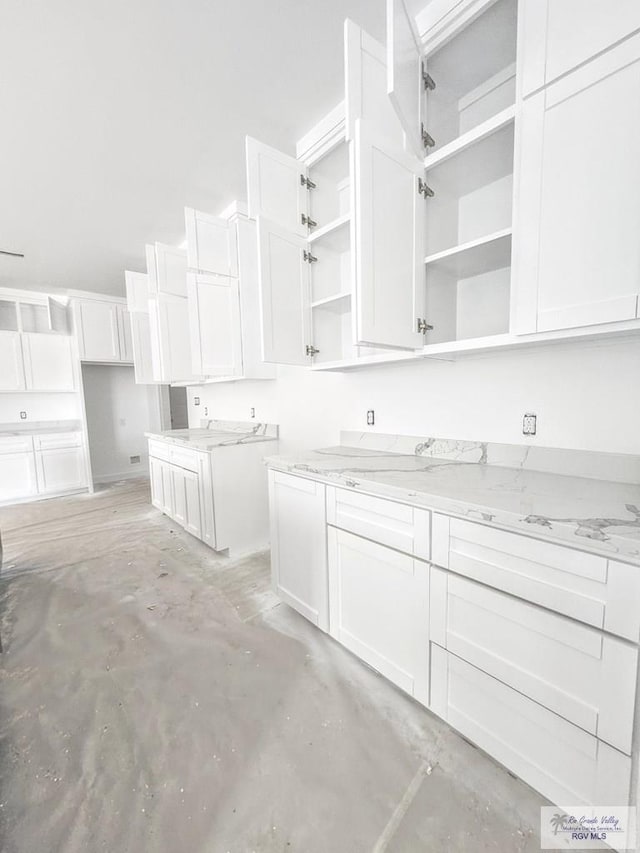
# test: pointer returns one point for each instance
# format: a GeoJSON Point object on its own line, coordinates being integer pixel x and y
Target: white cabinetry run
{"type": "Point", "coordinates": [495, 632]}
{"type": "Point", "coordinates": [41, 464]}
{"type": "Point", "coordinates": [103, 330]}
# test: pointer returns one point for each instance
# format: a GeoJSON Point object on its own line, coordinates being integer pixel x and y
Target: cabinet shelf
{"type": "Point", "coordinates": [476, 134]}
{"type": "Point", "coordinates": [334, 235]}
{"type": "Point", "coordinates": [338, 301]}
{"type": "Point", "coordinates": [475, 257]}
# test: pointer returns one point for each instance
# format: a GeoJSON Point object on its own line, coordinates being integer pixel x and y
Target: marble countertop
{"type": "Point", "coordinates": [596, 515]}
{"type": "Point", "coordinates": [39, 427]}
{"type": "Point", "coordinates": [218, 434]}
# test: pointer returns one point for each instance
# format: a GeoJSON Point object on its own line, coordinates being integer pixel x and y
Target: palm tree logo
{"type": "Point", "coordinates": [558, 821]}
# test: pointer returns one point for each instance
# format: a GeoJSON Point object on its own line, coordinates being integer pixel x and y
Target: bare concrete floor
{"type": "Point", "coordinates": [157, 698]}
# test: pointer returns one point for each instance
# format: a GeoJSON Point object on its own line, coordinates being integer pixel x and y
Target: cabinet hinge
{"type": "Point", "coordinates": [423, 326]}
{"type": "Point", "coordinates": [424, 189]}
{"type": "Point", "coordinates": [308, 257]}
{"type": "Point", "coordinates": [308, 221]}
{"type": "Point", "coordinates": [307, 182]}
{"type": "Point", "coordinates": [427, 140]}
{"type": "Point", "coordinates": [311, 350]}
{"type": "Point", "coordinates": [427, 79]}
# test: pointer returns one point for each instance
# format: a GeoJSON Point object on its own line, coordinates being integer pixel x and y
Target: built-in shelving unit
{"type": "Point", "coordinates": [471, 119]}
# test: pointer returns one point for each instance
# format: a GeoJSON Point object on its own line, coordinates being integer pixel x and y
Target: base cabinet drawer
{"type": "Point", "coordinates": [299, 546]}
{"type": "Point", "coordinates": [580, 673]}
{"type": "Point", "coordinates": [561, 761]}
{"type": "Point", "coordinates": [184, 457]}
{"type": "Point", "coordinates": [379, 608]}
{"type": "Point", "coordinates": [397, 525]}
{"type": "Point", "coordinates": [586, 587]}
{"type": "Point", "coordinates": [159, 449]}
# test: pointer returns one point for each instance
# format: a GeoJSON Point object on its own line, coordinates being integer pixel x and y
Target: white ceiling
{"type": "Point", "coordinates": [118, 113]}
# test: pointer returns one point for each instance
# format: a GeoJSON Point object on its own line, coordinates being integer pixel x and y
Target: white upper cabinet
{"type": "Point", "coordinates": [390, 269]}
{"type": "Point", "coordinates": [284, 294]}
{"type": "Point", "coordinates": [12, 373]}
{"type": "Point", "coordinates": [171, 339]}
{"type": "Point", "coordinates": [137, 285]}
{"type": "Point", "coordinates": [137, 290]}
{"type": "Point", "coordinates": [171, 270]}
{"type": "Point", "coordinates": [48, 362]}
{"type": "Point", "coordinates": [578, 205]}
{"type": "Point", "coordinates": [214, 312]}
{"type": "Point", "coordinates": [211, 243]}
{"type": "Point", "coordinates": [405, 83]}
{"type": "Point", "coordinates": [276, 187]}
{"type": "Point", "coordinates": [559, 35]}
{"type": "Point", "coordinates": [102, 330]}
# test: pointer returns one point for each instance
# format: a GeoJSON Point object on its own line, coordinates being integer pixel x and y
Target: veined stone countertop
{"type": "Point", "coordinates": [591, 513]}
{"type": "Point", "coordinates": [218, 434]}
{"type": "Point", "coordinates": [39, 427]}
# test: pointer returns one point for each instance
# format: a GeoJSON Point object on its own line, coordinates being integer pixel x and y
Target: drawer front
{"type": "Point", "coordinates": [405, 528]}
{"type": "Point", "coordinates": [184, 457]}
{"type": "Point", "coordinates": [580, 673]}
{"type": "Point", "coordinates": [16, 444]}
{"type": "Point", "coordinates": [159, 450]}
{"type": "Point", "coordinates": [54, 440]}
{"type": "Point", "coordinates": [558, 759]}
{"type": "Point", "coordinates": [585, 587]}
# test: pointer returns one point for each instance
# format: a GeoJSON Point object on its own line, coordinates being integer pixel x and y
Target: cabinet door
{"type": "Point", "coordinates": [171, 270]}
{"type": "Point", "coordinates": [141, 346]}
{"type": "Point", "coordinates": [156, 482]}
{"type": "Point", "coordinates": [17, 475]}
{"type": "Point", "coordinates": [389, 256]}
{"type": "Point", "coordinates": [48, 361]}
{"type": "Point", "coordinates": [379, 608]}
{"type": "Point", "coordinates": [404, 72]}
{"type": "Point", "coordinates": [170, 339]}
{"type": "Point", "coordinates": [299, 545]}
{"type": "Point", "coordinates": [124, 334]}
{"type": "Point", "coordinates": [60, 470]}
{"type": "Point", "coordinates": [285, 300]}
{"type": "Point", "coordinates": [168, 500]}
{"type": "Point", "coordinates": [576, 250]}
{"type": "Point", "coordinates": [12, 374]}
{"type": "Point", "coordinates": [137, 289]}
{"type": "Point", "coordinates": [211, 243]}
{"type": "Point", "coordinates": [98, 334]}
{"type": "Point", "coordinates": [186, 500]}
{"type": "Point", "coordinates": [552, 43]}
{"type": "Point", "coordinates": [214, 316]}
{"type": "Point", "coordinates": [276, 187]}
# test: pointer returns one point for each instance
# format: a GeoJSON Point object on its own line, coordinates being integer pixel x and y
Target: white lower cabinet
{"type": "Point", "coordinates": [379, 608]}
{"type": "Point", "coordinates": [299, 546]}
{"type": "Point", "coordinates": [156, 482]}
{"type": "Point", "coordinates": [43, 464]}
{"type": "Point", "coordinates": [186, 500]}
{"type": "Point", "coordinates": [60, 469]}
{"type": "Point", "coordinates": [17, 475]}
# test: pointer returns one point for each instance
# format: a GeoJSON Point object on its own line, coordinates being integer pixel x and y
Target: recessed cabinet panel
{"type": "Point", "coordinates": [576, 251]}
{"type": "Point", "coordinates": [276, 191]}
{"type": "Point", "coordinates": [171, 269]}
{"type": "Point", "coordinates": [98, 332]}
{"type": "Point", "coordinates": [60, 470]}
{"type": "Point", "coordinates": [17, 475]}
{"type": "Point", "coordinates": [211, 245]}
{"type": "Point", "coordinates": [390, 265]}
{"type": "Point", "coordinates": [12, 373]}
{"type": "Point", "coordinates": [214, 310]}
{"type": "Point", "coordinates": [284, 293]}
{"type": "Point", "coordinates": [48, 362]}
{"type": "Point", "coordinates": [404, 80]}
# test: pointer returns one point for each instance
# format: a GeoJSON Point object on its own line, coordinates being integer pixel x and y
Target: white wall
{"type": "Point", "coordinates": [118, 414]}
{"type": "Point", "coordinates": [39, 407]}
{"type": "Point", "coordinates": [586, 396]}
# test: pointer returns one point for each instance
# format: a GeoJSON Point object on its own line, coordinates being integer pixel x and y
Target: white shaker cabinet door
{"type": "Point", "coordinates": [60, 469]}
{"type": "Point", "coordinates": [276, 187]}
{"type": "Point", "coordinates": [141, 346]}
{"type": "Point", "coordinates": [156, 482]}
{"type": "Point", "coordinates": [211, 243]}
{"type": "Point", "coordinates": [214, 316]}
{"type": "Point", "coordinates": [137, 291]}
{"type": "Point", "coordinates": [171, 270]}
{"type": "Point", "coordinates": [98, 330]}
{"type": "Point", "coordinates": [285, 300]}
{"type": "Point", "coordinates": [124, 330]}
{"type": "Point", "coordinates": [299, 545]}
{"type": "Point", "coordinates": [170, 339]}
{"type": "Point", "coordinates": [389, 256]}
{"type": "Point", "coordinates": [379, 608]}
{"type": "Point", "coordinates": [559, 35]}
{"type": "Point", "coordinates": [48, 362]}
{"type": "Point", "coordinates": [17, 475]}
{"type": "Point", "coordinates": [186, 500]}
{"type": "Point", "coordinates": [576, 252]}
{"type": "Point", "coordinates": [404, 72]}
{"type": "Point", "coordinates": [12, 372]}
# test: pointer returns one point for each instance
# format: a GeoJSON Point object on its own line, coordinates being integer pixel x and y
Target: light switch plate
{"type": "Point", "coordinates": [371, 417]}
{"type": "Point", "coordinates": [23, 416]}
{"type": "Point", "coordinates": [529, 424]}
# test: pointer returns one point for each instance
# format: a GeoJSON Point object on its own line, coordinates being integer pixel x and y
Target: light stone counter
{"type": "Point", "coordinates": [218, 434]}
{"type": "Point", "coordinates": [39, 427]}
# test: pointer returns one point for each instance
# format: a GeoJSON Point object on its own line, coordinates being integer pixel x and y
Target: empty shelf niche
{"type": "Point", "coordinates": [474, 74]}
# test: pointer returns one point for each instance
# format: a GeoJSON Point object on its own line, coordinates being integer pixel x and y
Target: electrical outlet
{"type": "Point", "coordinates": [206, 411]}
{"type": "Point", "coordinates": [529, 424]}
{"type": "Point", "coordinates": [196, 401]}
{"type": "Point", "coordinates": [371, 417]}
{"type": "Point", "coordinates": [23, 416]}
{"type": "Point", "coordinates": [252, 412]}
